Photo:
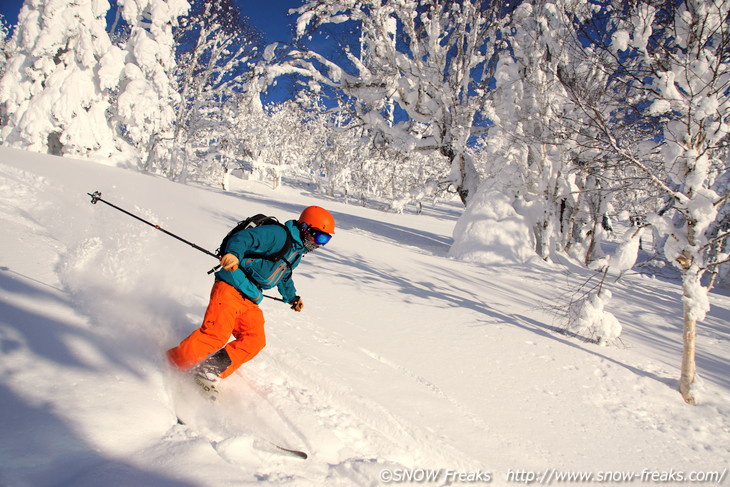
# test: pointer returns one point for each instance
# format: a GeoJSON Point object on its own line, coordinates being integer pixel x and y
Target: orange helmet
{"type": "Point", "coordinates": [318, 218]}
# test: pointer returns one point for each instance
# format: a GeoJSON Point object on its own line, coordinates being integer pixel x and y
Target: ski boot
{"type": "Point", "coordinates": [206, 374]}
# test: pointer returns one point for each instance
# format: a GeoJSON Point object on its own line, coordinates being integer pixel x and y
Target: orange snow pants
{"type": "Point", "coordinates": [228, 313]}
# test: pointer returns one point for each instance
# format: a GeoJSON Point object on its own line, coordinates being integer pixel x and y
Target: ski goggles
{"type": "Point", "coordinates": [319, 237]}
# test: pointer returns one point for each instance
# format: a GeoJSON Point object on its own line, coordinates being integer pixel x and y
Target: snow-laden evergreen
{"type": "Point", "coordinates": [6, 50]}
{"type": "Point", "coordinates": [55, 88]}
{"type": "Point", "coordinates": [402, 360]}
{"type": "Point", "coordinates": [147, 91]}
{"type": "Point", "coordinates": [529, 113]}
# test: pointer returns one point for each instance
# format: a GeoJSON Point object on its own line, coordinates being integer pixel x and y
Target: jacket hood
{"type": "Point", "coordinates": [296, 234]}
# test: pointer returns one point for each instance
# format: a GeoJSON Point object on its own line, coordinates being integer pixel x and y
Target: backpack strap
{"type": "Point", "coordinates": [280, 255]}
{"type": "Point", "coordinates": [256, 221]}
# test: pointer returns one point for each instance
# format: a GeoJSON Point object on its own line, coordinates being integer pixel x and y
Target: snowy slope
{"type": "Point", "coordinates": [402, 360]}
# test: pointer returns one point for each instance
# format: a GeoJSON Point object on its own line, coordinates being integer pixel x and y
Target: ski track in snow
{"type": "Point", "coordinates": [477, 421]}
{"type": "Point", "coordinates": [347, 427]}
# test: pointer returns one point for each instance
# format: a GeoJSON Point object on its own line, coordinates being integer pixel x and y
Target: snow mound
{"type": "Point", "coordinates": [589, 318]}
{"type": "Point", "coordinates": [490, 231]}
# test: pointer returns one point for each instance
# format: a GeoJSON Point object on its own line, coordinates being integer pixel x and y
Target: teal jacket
{"type": "Point", "coordinates": [255, 273]}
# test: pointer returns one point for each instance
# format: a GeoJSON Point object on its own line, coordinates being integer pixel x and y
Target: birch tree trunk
{"type": "Point", "coordinates": [690, 286]}
{"type": "Point", "coordinates": [687, 376]}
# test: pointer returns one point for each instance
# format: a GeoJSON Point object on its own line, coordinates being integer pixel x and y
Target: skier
{"type": "Point", "coordinates": [254, 259]}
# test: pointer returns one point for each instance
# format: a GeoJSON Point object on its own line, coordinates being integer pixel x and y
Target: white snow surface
{"type": "Point", "coordinates": [402, 359]}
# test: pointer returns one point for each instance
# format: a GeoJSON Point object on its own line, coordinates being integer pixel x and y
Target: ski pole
{"type": "Point", "coordinates": [96, 197]}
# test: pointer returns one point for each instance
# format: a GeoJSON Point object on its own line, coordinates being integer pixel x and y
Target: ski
{"type": "Point", "coordinates": [296, 453]}
{"type": "Point", "coordinates": [289, 451]}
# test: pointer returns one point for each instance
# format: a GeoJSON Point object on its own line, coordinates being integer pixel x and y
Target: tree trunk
{"type": "Point", "coordinates": [592, 244]}
{"type": "Point", "coordinates": [464, 174]}
{"type": "Point", "coordinates": [689, 284]}
{"type": "Point", "coordinates": [225, 183]}
{"type": "Point", "coordinates": [468, 177]}
{"type": "Point", "coordinates": [542, 230]}
{"type": "Point", "coordinates": [687, 376]}
{"type": "Point", "coordinates": [573, 233]}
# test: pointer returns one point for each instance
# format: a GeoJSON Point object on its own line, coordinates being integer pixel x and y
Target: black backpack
{"type": "Point", "coordinates": [255, 221]}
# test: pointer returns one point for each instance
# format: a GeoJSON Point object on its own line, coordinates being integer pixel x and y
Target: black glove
{"type": "Point", "coordinates": [297, 304]}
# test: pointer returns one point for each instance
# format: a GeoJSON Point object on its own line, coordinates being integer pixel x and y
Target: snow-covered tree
{"type": "Point", "coordinates": [272, 141]}
{"type": "Point", "coordinates": [334, 148]}
{"type": "Point", "coordinates": [532, 148]}
{"type": "Point", "coordinates": [215, 43]}
{"type": "Point", "coordinates": [420, 78]}
{"type": "Point", "coordinates": [5, 45]}
{"type": "Point", "coordinates": [148, 93]}
{"type": "Point", "coordinates": [55, 90]}
{"type": "Point", "coordinates": [672, 71]}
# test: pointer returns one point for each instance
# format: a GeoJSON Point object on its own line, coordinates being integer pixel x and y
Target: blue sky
{"type": "Point", "coordinates": [269, 16]}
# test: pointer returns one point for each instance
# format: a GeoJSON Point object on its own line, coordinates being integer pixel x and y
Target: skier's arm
{"type": "Point", "coordinates": [287, 290]}
{"type": "Point", "coordinates": [247, 243]}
